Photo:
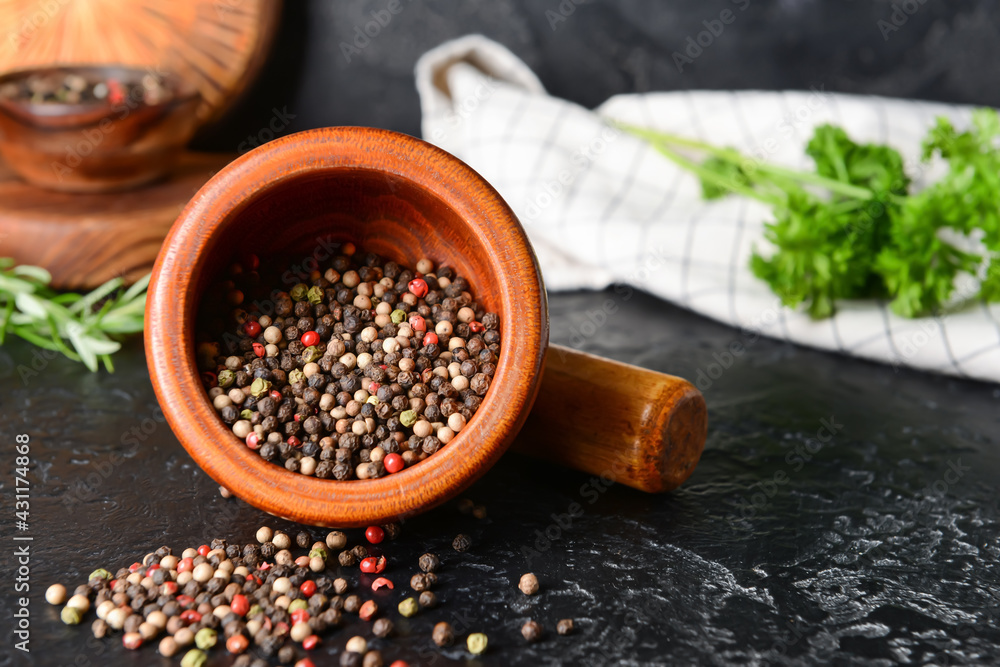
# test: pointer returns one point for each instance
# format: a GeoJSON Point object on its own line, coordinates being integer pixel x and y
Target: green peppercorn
{"type": "Point", "coordinates": [295, 605]}
{"type": "Point", "coordinates": [318, 552]}
{"type": "Point", "coordinates": [260, 387]}
{"type": "Point", "coordinates": [100, 573]}
{"type": "Point", "coordinates": [71, 615]}
{"type": "Point", "coordinates": [226, 378]}
{"type": "Point", "coordinates": [373, 400]}
{"type": "Point", "coordinates": [311, 354]}
{"type": "Point", "coordinates": [408, 607]}
{"type": "Point", "coordinates": [254, 611]}
{"type": "Point", "coordinates": [194, 658]}
{"type": "Point", "coordinates": [397, 316]}
{"type": "Point", "coordinates": [477, 642]}
{"type": "Point", "coordinates": [246, 414]}
{"type": "Point", "coordinates": [315, 295]}
{"type": "Point", "coordinates": [299, 293]}
{"type": "Point", "coordinates": [408, 418]}
{"type": "Point", "coordinates": [205, 638]}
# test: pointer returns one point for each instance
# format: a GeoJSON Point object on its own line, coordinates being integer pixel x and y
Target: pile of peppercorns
{"type": "Point", "coordinates": [261, 598]}
{"type": "Point", "coordinates": [257, 594]}
{"type": "Point", "coordinates": [366, 369]}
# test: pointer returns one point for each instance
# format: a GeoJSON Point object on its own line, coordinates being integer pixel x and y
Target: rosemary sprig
{"type": "Point", "coordinates": [80, 326]}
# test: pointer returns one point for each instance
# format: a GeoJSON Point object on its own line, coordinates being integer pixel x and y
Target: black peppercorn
{"type": "Point", "coordinates": [531, 631]}
{"type": "Point", "coordinates": [443, 635]}
{"type": "Point", "coordinates": [461, 543]}
{"type": "Point", "coordinates": [429, 562]}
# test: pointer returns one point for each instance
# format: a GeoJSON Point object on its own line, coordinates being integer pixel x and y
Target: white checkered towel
{"type": "Point", "coordinates": [602, 207]}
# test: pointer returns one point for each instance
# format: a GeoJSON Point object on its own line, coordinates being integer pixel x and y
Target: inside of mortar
{"type": "Point", "coordinates": [296, 223]}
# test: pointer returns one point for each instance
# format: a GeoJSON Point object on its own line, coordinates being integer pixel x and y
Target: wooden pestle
{"type": "Point", "coordinates": [628, 424]}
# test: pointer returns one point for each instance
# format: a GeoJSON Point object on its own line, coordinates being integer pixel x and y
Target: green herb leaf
{"type": "Point", "coordinates": [851, 229]}
{"type": "Point", "coordinates": [78, 326]}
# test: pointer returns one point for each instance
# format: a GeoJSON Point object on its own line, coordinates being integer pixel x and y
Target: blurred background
{"type": "Point", "coordinates": [587, 51]}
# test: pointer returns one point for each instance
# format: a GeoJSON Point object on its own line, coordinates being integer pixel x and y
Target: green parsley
{"type": "Point", "coordinates": [852, 228]}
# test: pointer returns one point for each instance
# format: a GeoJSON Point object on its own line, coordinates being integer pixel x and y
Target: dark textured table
{"type": "Point", "coordinates": [842, 513]}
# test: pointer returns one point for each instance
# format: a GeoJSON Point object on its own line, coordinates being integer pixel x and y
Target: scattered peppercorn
{"type": "Point", "coordinates": [565, 626]}
{"type": "Point", "coordinates": [55, 594]}
{"type": "Point", "coordinates": [428, 599]}
{"type": "Point", "coordinates": [429, 562]}
{"type": "Point", "coordinates": [461, 543]}
{"type": "Point", "coordinates": [531, 631]}
{"type": "Point", "coordinates": [528, 584]}
{"type": "Point", "coordinates": [194, 658]}
{"type": "Point", "coordinates": [382, 627]}
{"type": "Point", "coordinates": [408, 607]}
{"type": "Point", "coordinates": [422, 581]}
{"type": "Point", "coordinates": [443, 635]}
{"type": "Point", "coordinates": [476, 643]}
{"type": "Point", "coordinates": [71, 615]}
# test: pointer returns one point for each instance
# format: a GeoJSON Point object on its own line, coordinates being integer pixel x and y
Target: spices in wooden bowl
{"type": "Point", "coordinates": [367, 368]}
{"type": "Point", "coordinates": [94, 128]}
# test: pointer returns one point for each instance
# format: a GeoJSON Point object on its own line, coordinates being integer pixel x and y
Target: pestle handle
{"type": "Point", "coordinates": [635, 426]}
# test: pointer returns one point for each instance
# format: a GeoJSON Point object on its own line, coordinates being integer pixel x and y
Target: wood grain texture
{"type": "Point", "coordinates": [623, 423]}
{"type": "Point", "coordinates": [388, 193]}
{"type": "Point", "coordinates": [84, 240]}
{"type": "Point", "coordinates": [96, 147]}
{"type": "Point", "coordinates": [218, 45]}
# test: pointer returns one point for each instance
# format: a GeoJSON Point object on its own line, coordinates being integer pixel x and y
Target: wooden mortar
{"type": "Point", "coordinates": [405, 199]}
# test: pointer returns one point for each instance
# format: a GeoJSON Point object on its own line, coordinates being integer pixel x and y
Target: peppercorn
{"type": "Point", "coordinates": [71, 615]}
{"type": "Point", "coordinates": [565, 626]}
{"type": "Point", "coordinates": [352, 603]}
{"type": "Point", "coordinates": [372, 659]}
{"type": "Point", "coordinates": [303, 540]}
{"type": "Point", "coordinates": [408, 607]}
{"type": "Point", "coordinates": [368, 610]}
{"type": "Point", "coordinates": [428, 600]}
{"type": "Point", "coordinates": [429, 562]}
{"type": "Point", "coordinates": [528, 584]}
{"type": "Point", "coordinates": [531, 631]}
{"type": "Point", "coordinates": [421, 581]}
{"type": "Point", "coordinates": [168, 647]}
{"type": "Point", "coordinates": [55, 594]}
{"type": "Point", "coordinates": [99, 628]}
{"type": "Point", "coordinates": [351, 659]}
{"type": "Point", "coordinates": [382, 627]}
{"type": "Point", "coordinates": [443, 635]}
{"type": "Point", "coordinates": [461, 543]}
{"type": "Point", "coordinates": [194, 658]}
{"type": "Point", "coordinates": [205, 638]}
{"type": "Point", "coordinates": [286, 654]}
{"type": "Point", "coordinates": [476, 643]}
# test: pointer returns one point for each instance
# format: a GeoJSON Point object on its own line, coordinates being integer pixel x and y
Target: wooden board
{"type": "Point", "coordinates": [219, 45]}
{"type": "Point", "coordinates": [84, 240]}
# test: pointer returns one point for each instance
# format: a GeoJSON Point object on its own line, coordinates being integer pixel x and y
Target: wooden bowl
{"type": "Point", "coordinates": [96, 147]}
{"type": "Point", "coordinates": [388, 193]}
